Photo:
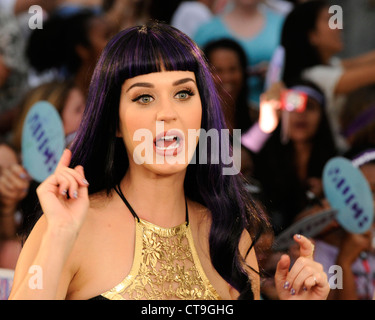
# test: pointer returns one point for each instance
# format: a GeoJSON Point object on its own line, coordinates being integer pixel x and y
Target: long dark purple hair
{"type": "Point", "coordinates": [142, 50]}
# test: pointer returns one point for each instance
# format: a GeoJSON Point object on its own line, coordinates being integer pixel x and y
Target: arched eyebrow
{"type": "Point", "coordinates": [182, 81]}
{"type": "Point", "coordinates": [150, 85]}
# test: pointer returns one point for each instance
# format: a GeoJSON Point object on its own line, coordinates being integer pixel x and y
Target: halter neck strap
{"type": "Point", "coordinates": [119, 192]}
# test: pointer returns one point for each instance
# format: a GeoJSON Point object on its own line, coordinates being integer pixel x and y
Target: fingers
{"type": "Point", "coordinates": [65, 182]}
{"type": "Point", "coordinates": [64, 160]}
{"type": "Point", "coordinates": [306, 247]}
{"type": "Point", "coordinates": [14, 182]}
{"type": "Point", "coordinates": [282, 270]}
{"type": "Point", "coordinates": [70, 181]}
{"type": "Point", "coordinates": [304, 277]}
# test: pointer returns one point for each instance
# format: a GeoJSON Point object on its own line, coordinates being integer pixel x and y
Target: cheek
{"type": "Point", "coordinates": [315, 121]}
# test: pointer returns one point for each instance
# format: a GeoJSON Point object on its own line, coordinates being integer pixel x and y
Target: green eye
{"type": "Point", "coordinates": [184, 95]}
{"type": "Point", "coordinates": [144, 99]}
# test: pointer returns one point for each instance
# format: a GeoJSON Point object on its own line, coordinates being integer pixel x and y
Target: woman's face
{"type": "Point", "coordinates": [228, 68]}
{"type": "Point", "coordinates": [328, 41]}
{"type": "Point", "coordinates": [150, 106]}
{"type": "Point", "coordinates": [304, 125]}
{"type": "Point", "coordinates": [73, 110]}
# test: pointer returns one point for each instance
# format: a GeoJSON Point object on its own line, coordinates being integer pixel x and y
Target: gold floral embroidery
{"type": "Point", "coordinates": [165, 266]}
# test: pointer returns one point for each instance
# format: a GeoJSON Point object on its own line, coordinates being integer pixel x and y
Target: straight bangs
{"type": "Point", "coordinates": [154, 51]}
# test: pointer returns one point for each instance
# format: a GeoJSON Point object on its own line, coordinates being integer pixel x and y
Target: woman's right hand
{"type": "Point", "coordinates": [64, 197]}
{"type": "Point", "coordinates": [269, 107]}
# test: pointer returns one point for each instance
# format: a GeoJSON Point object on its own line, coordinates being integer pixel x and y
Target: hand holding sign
{"type": "Point", "coordinates": [42, 140]}
{"type": "Point", "coordinates": [348, 191]}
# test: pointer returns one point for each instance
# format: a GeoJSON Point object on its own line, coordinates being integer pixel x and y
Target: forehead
{"type": "Point", "coordinates": [162, 78]}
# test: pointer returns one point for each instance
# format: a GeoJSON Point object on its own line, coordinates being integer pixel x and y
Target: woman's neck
{"type": "Point", "coordinates": [245, 11]}
{"type": "Point", "coordinates": [302, 155]}
{"type": "Point", "coordinates": [159, 199]}
{"type": "Point", "coordinates": [245, 21]}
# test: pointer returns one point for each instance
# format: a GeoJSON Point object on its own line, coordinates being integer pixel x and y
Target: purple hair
{"type": "Point", "coordinates": [147, 49]}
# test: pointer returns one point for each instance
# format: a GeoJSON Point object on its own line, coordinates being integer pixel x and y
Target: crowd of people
{"type": "Point", "coordinates": [283, 152]}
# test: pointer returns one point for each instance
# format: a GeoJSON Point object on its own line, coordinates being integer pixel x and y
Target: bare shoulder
{"type": "Point", "coordinates": [251, 261]}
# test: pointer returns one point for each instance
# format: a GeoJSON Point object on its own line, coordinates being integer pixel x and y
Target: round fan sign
{"type": "Point", "coordinates": [42, 140]}
{"type": "Point", "coordinates": [348, 191]}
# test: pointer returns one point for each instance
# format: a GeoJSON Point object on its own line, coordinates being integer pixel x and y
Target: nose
{"type": "Point", "coordinates": [166, 111]}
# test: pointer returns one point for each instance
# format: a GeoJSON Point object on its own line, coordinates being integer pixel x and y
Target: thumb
{"type": "Point", "coordinates": [282, 271]}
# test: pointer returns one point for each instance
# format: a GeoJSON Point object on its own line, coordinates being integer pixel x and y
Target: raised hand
{"type": "Point", "coordinates": [306, 280]}
{"type": "Point", "coordinates": [64, 196]}
{"type": "Point", "coordinates": [14, 185]}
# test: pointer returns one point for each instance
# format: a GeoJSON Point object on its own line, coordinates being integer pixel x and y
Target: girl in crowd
{"type": "Point", "coordinates": [311, 46]}
{"type": "Point", "coordinates": [291, 156]}
{"type": "Point", "coordinates": [192, 236]}
{"type": "Point", "coordinates": [257, 28]}
{"type": "Point", "coordinates": [229, 62]}
{"type": "Point", "coordinates": [16, 186]}
{"type": "Point", "coordinates": [69, 46]}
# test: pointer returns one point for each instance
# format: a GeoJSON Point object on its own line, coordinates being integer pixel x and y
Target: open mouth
{"type": "Point", "coordinates": [169, 142]}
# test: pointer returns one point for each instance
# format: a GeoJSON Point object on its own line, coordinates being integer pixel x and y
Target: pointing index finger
{"type": "Point", "coordinates": [306, 248]}
{"type": "Point", "coordinates": [64, 160]}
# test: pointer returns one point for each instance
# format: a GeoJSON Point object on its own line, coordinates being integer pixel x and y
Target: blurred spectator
{"type": "Point", "coordinates": [257, 29]}
{"type": "Point", "coordinates": [229, 63]}
{"type": "Point", "coordinates": [189, 15]}
{"type": "Point", "coordinates": [127, 13]}
{"type": "Point", "coordinates": [228, 60]}
{"type": "Point", "coordinates": [311, 46]}
{"type": "Point", "coordinates": [65, 96]}
{"type": "Point", "coordinates": [70, 45]}
{"type": "Point", "coordinates": [290, 161]}
{"type": "Point", "coordinates": [354, 253]}
{"type": "Point", "coordinates": [13, 70]}
{"type": "Point", "coordinates": [357, 118]}
{"type": "Point", "coordinates": [69, 102]}
{"type": "Point", "coordinates": [20, 6]}
{"type": "Point", "coordinates": [10, 245]}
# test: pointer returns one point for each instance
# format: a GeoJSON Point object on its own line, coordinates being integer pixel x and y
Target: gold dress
{"type": "Point", "coordinates": [166, 265]}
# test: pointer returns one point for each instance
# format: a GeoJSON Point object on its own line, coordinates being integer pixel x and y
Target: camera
{"type": "Point", "coordinates": [292, 100]}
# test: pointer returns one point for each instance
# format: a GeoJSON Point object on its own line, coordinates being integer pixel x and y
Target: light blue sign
{"type": "Point", "coordinates": [348, 191]}
{"type": "Point", "coordinates": [42, 140]}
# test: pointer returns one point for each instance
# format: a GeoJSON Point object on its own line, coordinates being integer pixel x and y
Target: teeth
{"type": "Point", "coordinates": [174, 146]}
{"type": "Point", "coordinates": [168, 138]}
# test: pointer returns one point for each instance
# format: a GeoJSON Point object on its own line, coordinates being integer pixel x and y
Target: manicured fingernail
{"type": "Point", "coordinates": [75, 194]}
{"type": "Point", "coordinates": [304, 289]}
{"type": "Point", "coordinates": [23, 175]}
{"type": "Point", "coordinates": [85, 182]}
{"type": "Point", "coordinates": [292, 292]}
{"type": "Point", "coordinates": [298, 236]}
{"type": "Point", "coordinates": [64, 192]}
{"type": "Point", "coordinates": [286, 285]}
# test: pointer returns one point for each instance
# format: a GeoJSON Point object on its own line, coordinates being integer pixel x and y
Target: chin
{"type": "Point", "coordinates": [166, 169]}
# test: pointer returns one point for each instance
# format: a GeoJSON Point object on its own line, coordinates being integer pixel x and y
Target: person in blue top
{"type": "Point", "coordinates": [257, 28]}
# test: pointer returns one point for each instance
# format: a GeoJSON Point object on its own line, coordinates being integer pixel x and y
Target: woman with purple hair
{"type": "Point", "coordinates": [147, 227]}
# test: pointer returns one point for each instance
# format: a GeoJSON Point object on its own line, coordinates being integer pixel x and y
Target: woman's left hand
{"type": "Point", "coordinates": [306, 280]}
